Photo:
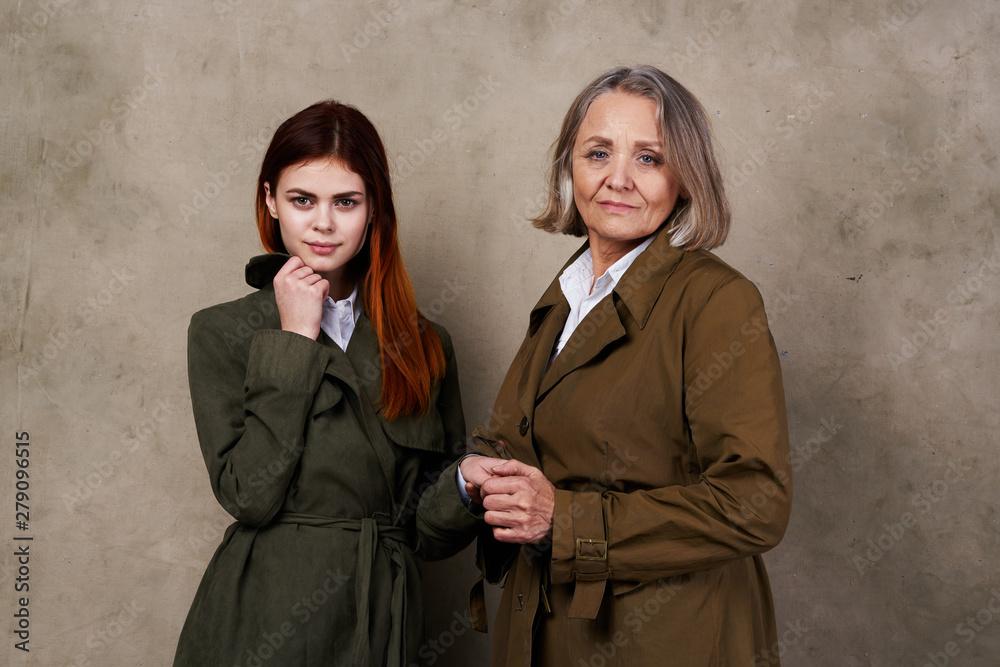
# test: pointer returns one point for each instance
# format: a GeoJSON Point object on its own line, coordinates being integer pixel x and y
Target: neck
{"type": "Point", "coordinates": [606, 252]}
{"type": "Point", "coordinates": [341, 286]}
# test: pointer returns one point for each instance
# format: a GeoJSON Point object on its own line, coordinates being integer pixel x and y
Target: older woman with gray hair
{"type": "Point", "coordinates": [647, 441]}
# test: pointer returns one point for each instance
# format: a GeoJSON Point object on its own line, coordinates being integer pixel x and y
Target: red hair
{"type": "Point", "coordinates": [412, 355]}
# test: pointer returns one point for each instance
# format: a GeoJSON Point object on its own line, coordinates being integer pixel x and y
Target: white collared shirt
{"type": "Point", "coordinates": [339, 318]}
{"type": "Point", "coordinates": [576, 282]}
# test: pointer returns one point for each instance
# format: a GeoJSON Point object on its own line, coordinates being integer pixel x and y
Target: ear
{"type": "Point", "coordinates": [272, 206]}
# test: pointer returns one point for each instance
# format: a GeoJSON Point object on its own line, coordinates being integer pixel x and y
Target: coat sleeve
{"type": "Point", "coordinates": [740, 502]}
{"type": "Point", "coordinates": [444, 525]}
{"type": "Point", "coordinates": [250, 411]}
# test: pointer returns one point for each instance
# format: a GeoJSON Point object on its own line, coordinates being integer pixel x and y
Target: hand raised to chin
{"type": "Point", "coordinates": [299, 292]}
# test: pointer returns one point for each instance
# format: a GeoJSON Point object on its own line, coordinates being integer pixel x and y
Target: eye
{"type": "Point", "coordinates": [301, 201]}
{"type": "Point", "coordinates": [649, 159]}
{"type": "Point", "coordinates": [598, 154]}
{"type": "Point", "coordinates": [346, 203]}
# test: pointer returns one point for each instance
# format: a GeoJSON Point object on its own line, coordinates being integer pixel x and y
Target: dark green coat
{"type": "Point", "coordinates": [319, 567]}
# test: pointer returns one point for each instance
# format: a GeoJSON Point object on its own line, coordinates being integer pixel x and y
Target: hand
{"type": "Point", "coordinates": [300, 293]}
{"type": "Point", "coordinates": [519, 502]}
{"type": "Point", "coordinates": [476, 470]}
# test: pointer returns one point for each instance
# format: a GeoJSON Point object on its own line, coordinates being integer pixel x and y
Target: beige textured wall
{"type": "Point", "coordinates": [861, 144]}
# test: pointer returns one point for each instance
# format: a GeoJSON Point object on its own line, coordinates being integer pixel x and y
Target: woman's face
{"type": "Point", "coordinates": [621, 185]}
{"type": "Point", "coordinates": [322, 211]}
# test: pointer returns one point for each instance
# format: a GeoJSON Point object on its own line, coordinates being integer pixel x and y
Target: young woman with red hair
{"type": "Point", "coordinates": [325, 403]}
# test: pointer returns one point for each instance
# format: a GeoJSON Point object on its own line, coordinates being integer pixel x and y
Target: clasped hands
{"type": "Point", "coordinates": [518, 499]}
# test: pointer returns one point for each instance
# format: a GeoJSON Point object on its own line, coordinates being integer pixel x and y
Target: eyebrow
{"type": "Point", "coordinates": [339, 195]}
{"type": "Point", "coordinates": [640, 144]}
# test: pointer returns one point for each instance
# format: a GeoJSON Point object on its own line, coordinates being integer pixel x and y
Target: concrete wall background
{"type": "Point", "coordinates": [860, 140]}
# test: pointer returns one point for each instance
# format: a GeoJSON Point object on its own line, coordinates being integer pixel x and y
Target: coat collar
{"type": "Point", "coordinates": [638, 289]}
{"type": "Point", "coordinates": [360, 365]}
{"type": "Point", "coordinates": [260, 270]}
{"type": "Point", "coordinates": [634, 296]}
{"type": "Point", "coordinates": [643, 283]}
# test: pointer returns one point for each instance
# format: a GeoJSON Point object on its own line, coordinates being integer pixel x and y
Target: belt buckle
{"type": "Point", "coordinates": [601, 549]}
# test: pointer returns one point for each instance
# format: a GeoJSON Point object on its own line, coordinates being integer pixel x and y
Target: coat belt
{"type": "Point", "coordinates": [375, 533]}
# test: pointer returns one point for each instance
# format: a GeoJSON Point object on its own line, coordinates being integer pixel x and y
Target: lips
{"type": "Point", "coordinates": [612, 206]}
{"type": "Point", "coordinates": [323, 248]}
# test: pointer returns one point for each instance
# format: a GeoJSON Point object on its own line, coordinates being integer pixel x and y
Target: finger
{"type": "Point", "coordinates": [519, 505]}
{"type": "Point", "coordinates": [476, 478]}
{"type": "Point", "coordinates": [505, 485]}
{"type": "Point", "coordinates": [477, 469]}
{"type": "Point", "coordinates": [292, 264]}
{"type": "Point", "coordinates": [515, 467]}
{"type": "Point", "coordinates": [302, 273]}
{"type": "Point", "coordinates": [508, 535]}
{"type": "Point", "coordinates": [309, 279]}
{"type": "Point", "coordinates": [497, 504]}
{"type": "Point", "coordinates": [474, 492]}
{"type": "Point", "coordinates": [502, 519]}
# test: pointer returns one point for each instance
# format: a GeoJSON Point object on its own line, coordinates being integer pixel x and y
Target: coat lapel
{"type": "Point", "coordinates": [547, 320]}
{"type": "Point", "coordinates": [364, 360]}
{"type": "Point", "coordinates": [600, 328]}
{"type": "Point", "coordinates": [633, 296]}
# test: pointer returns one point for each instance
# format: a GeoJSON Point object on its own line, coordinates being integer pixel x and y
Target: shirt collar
{"type": "Point", "coordinates": [339, 306]}
{"type": "Point", "coordinates": [580, 273]}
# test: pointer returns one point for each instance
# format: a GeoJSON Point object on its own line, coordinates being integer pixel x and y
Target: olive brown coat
{"type": "Point", "coordinates": [662, 426]}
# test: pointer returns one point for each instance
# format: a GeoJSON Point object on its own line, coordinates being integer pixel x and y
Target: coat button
{"type": "Point", "coordinates": [523, 426]}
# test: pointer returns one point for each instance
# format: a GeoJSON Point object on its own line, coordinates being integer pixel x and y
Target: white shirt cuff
{"type": "Point", "coordinates": [463, 494]}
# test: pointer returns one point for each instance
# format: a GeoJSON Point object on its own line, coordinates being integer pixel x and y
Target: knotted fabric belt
{"type": "Point", "coordinates": [375, 533]}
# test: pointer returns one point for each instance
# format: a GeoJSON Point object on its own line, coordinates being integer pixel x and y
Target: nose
{"type": "Point", "coordinates": [620, 175]}
{"type": "Point", "coordinates": [324, 220]}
